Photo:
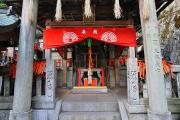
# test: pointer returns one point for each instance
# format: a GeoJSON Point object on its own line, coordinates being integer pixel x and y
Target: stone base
{"type": "Point", "coordinates": [159, 116]}
{"type": "Point", "coordinates": [20, 115]}
{"type": "Point", "coordinates": [89, 90]}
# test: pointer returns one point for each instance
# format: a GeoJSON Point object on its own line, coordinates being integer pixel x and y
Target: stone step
{"type": "Point", "coordinates": [90, 116]}
{"type": "Point", "coordinates": [90, 106]}
{"type": "Point", "coordinates": [89, 90]}
{"type": "Point", "coordinates": [90, 103]}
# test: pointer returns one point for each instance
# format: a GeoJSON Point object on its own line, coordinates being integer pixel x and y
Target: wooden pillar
{"type": "Point", "coordinates": [112, 69]}
{"type": "Point", "coordinates": [24, 75]}
{"type": "Point", "coordinates": [50, 77]}
{"type": "Point", "coordinates": [158, 109]}
{"type": "Point", "coordinates": [132, 78]}
{"type": "Point", "coordinates": [117, 71]}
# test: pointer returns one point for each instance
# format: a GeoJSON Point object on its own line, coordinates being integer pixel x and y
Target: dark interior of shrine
{"type": "Point", "coordinates": [101, 52]}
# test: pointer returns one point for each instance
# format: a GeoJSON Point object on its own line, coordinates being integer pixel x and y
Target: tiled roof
{"type": "Point", "coordinates": [5, 19]}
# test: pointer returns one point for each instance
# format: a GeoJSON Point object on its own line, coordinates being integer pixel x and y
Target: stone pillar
{"type": "Point", "coordinates": [50, 77]}
{"type": "Point", "coordinates": [24, 75]}
{"type": "Point", "coordinates": [132, 78]}
{"type": "Point", "coordinates": [117, 72]}
{"type": "Point", "coordinates": [39, 86]}
{"type": "Point", "coordinates": [158, 109]}
{"type": "Point", "coordinates": [178, 83]}
{"type": "Point", "coordinates": [1, 81]}
{"type": "Point", "coordinates": [168, 86]}
{"type": "Point", "coordinates": [145, 91]}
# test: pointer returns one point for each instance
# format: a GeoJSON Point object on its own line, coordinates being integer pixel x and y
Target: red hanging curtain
{"type": "Point", "coordinates": [59, 37]}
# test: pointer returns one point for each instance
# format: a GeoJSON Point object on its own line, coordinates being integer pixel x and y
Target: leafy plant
{"type": "Point", "coordinates": [169, 19]}
{"type": "Point", "coordinates": [2, 4]}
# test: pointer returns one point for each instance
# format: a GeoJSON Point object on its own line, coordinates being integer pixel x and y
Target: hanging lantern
{"type": "Point", "coordinates": [87, 9]}
{"type": "Point", "coordinates": [30, 11]}
{"type": "Point", "coordinates": [146, 10]}
{"type": "Point", "coordinates": [58, 15]}
{"type": "Point", "coordinates": [117, 10]}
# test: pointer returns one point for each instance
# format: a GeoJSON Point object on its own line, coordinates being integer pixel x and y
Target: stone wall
{"type": "Point", "coordinates": [4, 114]}
{"type": "Point", "coordinates": [171, 49]}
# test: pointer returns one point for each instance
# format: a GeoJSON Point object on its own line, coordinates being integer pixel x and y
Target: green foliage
{"type": "Point", "coordinates": [2, 4]}
{"type": "Point", "coordinates": [167, 20]}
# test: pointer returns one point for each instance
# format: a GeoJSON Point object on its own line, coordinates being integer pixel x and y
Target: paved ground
{"type": "Point", "coordinates": [119, 93]}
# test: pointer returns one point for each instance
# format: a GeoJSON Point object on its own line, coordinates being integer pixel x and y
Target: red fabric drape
{"type": "Point", "coordinates": [59, 37]}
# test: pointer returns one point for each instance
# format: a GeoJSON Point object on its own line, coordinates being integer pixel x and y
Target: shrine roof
{"type": "Point", "coordinates": [73, 9]}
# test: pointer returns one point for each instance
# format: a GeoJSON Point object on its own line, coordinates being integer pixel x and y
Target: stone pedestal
{"type": "Point", "coordinates": [20, 116]}
{"type": "Point", "coordinates": [159, 116]}
{"type": "Point", "coordinates": [50, 77]}
{"type": "Point", "coordinates": [132, 78]}
{"type": "Point", "coordinates": [132, 81]}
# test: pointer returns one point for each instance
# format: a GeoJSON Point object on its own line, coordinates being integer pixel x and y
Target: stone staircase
{"type": "Point", "coordinates": [89, 107]}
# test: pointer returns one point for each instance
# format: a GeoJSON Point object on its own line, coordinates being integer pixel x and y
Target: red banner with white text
{"type": "Point", "coordinates": [59, 37]}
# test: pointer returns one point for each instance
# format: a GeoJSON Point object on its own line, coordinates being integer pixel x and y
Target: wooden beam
{"type": "Point", "coordinates": [8, 28]}
{"type": "Point", "coordinates": [120, 23]}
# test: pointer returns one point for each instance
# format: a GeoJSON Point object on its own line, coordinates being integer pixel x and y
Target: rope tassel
{"type": "Point", "coordinates": [145, 10]}
{"type": "Point", "coordinates": [117, 10]}
{"type": "Point", "coordinates": [58, 15]}
{"type": "Point", "coordinates": [87, 9]}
